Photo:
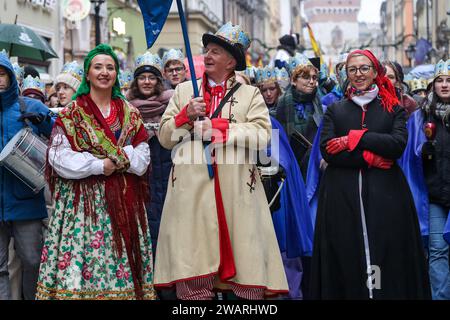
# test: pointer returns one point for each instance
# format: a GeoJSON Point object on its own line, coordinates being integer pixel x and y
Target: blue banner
{"type": "Point", "coordinates": [155, 14]}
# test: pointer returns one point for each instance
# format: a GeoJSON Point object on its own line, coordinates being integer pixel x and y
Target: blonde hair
{"type": "Point", "coordinates": [245, 77]}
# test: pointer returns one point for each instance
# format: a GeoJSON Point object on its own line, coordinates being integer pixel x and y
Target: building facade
{"type": "Point", "coordinates": [126, 31]}
{"type": "Point", "coordinates": [253, 16]}
{"type": "Point", "coordinates": [79, 36]}
{"type": "Point", "coordinates": [416, 25]}
{"type": "Point", "coordinates": [432, 24]}
{"type": "Point", "coordinates": [335, 25]}
{"type": "Point", "coordinates": [202, 16]}
{"type": "Point", "coordinates": [43, 18]}
{"type": "Point", "coordinates": [273, 24]}
{"type": "Point", "coordinates": [397, 23]}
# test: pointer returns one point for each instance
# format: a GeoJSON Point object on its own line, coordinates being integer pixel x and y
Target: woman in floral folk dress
{"type": "Point", "coordinates": [98, 246]}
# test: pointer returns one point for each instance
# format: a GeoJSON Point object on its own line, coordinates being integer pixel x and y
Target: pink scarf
{"type": "Point", "coordinates": [152, 108]}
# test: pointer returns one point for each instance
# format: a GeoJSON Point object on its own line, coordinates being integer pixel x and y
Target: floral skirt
{"type": "Point", "coordinates": [78, 261]}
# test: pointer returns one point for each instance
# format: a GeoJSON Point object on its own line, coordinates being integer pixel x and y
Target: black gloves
{"type": "Point", "coordinates": [33, 117]}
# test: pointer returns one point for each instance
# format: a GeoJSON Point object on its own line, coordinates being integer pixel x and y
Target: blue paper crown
{"type": "Point", "coordinates": [4, 53]}
{"type": "Point", "coordinates": [442, 68]}
{"type": "Point", "coordinates": [299, 60]}
{"type": "Point", "coordinates": [343, 74]}
{"type": "Point", "coordinates": [234, 34]}
{"type": "Point", "coordinates": [323, 72]}
{"type": "Point", "coordinates": [33, 83]}
{"type": "Point", "coordinates": [271, 75]}
{"type": "Point", "coordinates": [172, 54]}
{"type": "Point", "coordinates": [342, 58]}
{"type": "Point", "coordinates": [74, 69]}
{"type": "Point", "coordinates": [18, 71]}
{"type": "Point", "coordinates": [148, 59]}
{"type": "Point", "coordinates": [125, 79]}
{"type": "Point", "coordinates": [250, 72]}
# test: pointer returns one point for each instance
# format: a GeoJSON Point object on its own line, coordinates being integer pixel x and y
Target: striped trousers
{"type": "Point", "coordinates": [202, 289]}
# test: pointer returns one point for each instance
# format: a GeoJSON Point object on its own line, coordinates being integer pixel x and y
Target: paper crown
{"type": "Point", "coordinates": [172, 54]}
{"type": "Point", "coordinates": [148, 59]}
{"type": "Point", "coordinates": [18, 71]}
{"type": "Point", "coordinates": [33, 83]}
{"type": "Point", "coordinates": [299, 60]}
{"type": "Point", "coordinates": [342, 74]}
{"type": "Point", "coordinates": [323, 72]}
{"type": "Point", "coordinates": [71, 74]}
{"type": "Point", "coordinates": [417, 84]}
{"type": "Point", "coordinates": [271, 75]}
{"type": "Point", "coordinates": [74, 69]}
{"type": "Point", "coordinates": [233, 39]}
{"type": "Point", "coordinates": [3, 52]}
{"type": "Point", "coordinates": [250, 72]}
{"type": "Point", "coordinates": [342, 58]}
{"type": "Point", "coordinates": [442, 68]}
{"type": "Point", "coordinates": [125, 79]}
{"type": "Point", "coordinates": [234, 34]}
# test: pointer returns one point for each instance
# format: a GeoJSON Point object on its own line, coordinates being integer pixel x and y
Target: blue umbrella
{"type": "Point", "coordinates": [425, 71]}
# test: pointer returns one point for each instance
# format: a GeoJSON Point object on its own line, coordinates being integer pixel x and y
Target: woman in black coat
{"type": "Point", "coordinates": [367, 241]}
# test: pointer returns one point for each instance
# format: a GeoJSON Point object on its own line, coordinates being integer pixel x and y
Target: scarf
{"type": "Point", "coordinates": [152, 108]}
{"type": "Point", "coordinates": [125, 196]}
{"type": "Point", "coordinates": [386, 89]}
{"type": "Point", "coordinates": [442, 110]}
{"type": "Point", "coordinates": [286, 107]}
{"type": "Point", "coordinates": [300, 97]}
{"type": "Point", "coordinates": [363, 97]}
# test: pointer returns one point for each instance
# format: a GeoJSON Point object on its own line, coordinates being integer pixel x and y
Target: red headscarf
{"type": "Point", "coordinates": [386, 89]}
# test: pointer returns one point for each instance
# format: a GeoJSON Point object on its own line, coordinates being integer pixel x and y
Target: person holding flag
{"type": "Point", "coordinates": [216, 230]}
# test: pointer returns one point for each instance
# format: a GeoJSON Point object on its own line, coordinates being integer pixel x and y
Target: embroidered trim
{"type": "Point", "coordinates": [252, 179]}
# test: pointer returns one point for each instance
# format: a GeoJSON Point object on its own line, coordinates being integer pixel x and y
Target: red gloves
{"type": "Point", "coordinates": [337, 145]}
{"type": "Point", "coordinates": [376, 161]}
{"type": "Point", "coordinates": [349, 142]}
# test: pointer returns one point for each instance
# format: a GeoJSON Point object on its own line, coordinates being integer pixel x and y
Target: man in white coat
{"type": "Point", "coordinates": [216, 229]}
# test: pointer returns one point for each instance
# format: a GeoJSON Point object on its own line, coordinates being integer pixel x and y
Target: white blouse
{"type": "Point", "coordinates": [71, 164]}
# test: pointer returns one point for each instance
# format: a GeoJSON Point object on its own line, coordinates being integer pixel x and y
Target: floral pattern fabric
{"type": "Point", "coordinates": [78, 259]}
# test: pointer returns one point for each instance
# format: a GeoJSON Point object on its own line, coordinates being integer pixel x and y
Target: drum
{"type": "Point", "coordinates": [24, 156]}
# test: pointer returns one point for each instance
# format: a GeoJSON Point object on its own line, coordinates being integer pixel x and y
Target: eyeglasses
{"type": "Point", "coordinates": [176, 69]}
{"type": "Point", "coordinates": [363, 69]}
{"type": "Point", "coordinates": [144, 78]}
{"type": "Point", "coordinates": [308, 78]}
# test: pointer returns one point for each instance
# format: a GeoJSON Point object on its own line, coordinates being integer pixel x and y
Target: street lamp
{"type": "Point", "coordinates": [97, 4]}
{"type": "Point", "coordinates": [410, 51]}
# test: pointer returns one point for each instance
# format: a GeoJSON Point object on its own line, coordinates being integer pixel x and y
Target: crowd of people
{"type": "Point", "coordinates": [282, 182]}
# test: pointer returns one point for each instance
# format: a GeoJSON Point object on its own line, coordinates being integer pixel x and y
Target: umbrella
{"type": "Point", "coordinates": [425, 71]}
{"type": "Point", "coordinates": [199, 66]}
{"type": "Point", "coordinates": [23, 42]}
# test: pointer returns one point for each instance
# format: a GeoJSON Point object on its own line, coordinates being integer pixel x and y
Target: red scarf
{"type": "Point", "coordinates": [213, 95]}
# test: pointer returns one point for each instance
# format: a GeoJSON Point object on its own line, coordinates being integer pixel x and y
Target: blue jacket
{"type": "Point", "coordinates": [17, 201]}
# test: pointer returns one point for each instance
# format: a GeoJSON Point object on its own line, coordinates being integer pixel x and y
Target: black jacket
{"type": "Point", "coordinates": [436, 165]}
